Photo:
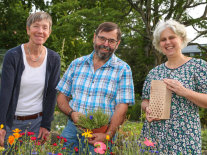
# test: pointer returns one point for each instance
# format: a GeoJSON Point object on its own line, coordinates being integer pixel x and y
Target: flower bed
{"type": "Point", "coordinates": [128, 141]}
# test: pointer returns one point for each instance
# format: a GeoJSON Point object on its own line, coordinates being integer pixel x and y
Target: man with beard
{"type": "Point", "coordinates": [99, 80]}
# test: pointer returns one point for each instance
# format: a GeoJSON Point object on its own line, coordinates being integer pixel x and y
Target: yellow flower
{"type": "Point", "coordinates": [11, 139]}
{"type": "Point", "coordinates": [16, 130]}
{"type": "Point", "coordinates": [87, 133]}
{"type": "Point", "coordinates": [17, 135]}
{"type": "Point", "coordinates": [1, 126]}
{"type": "Point", "coordinates": [2, 149]}
{"type": "Point", "coordinates": [107, 137]}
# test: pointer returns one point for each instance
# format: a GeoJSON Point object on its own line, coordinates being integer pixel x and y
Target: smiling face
{"type": "Point", "coordinates": [170, 43]}
{"type": "Point", "coordinates": [105, 43]}
{"type": "Point", "coordinates": [39, 32]}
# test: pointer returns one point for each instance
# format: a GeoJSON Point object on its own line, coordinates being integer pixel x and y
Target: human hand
{"type": "Point", "coordinates": [97, 137]}
{"type": "Point", "coordinates": [75, 116]}
{"type": "Point", "coordinates": [43, 134]}
{"type": "Point", "coordinates": [149, 118]}
{"type": "Point", "coordinates": [2, 136]}
{"type": "Point", "coordinates": [175, 86]}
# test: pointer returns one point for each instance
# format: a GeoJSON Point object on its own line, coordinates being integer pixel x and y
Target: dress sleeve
{"type": "Point", "coordinates": [201, 76]}
{"type": "Point", "coordinates": [146, 86]}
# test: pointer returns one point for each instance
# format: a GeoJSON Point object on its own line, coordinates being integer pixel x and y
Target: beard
{"type": "Point", "coordinates": [103, 55]}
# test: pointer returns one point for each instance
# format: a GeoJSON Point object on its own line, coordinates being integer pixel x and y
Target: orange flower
{"type": "Point", "coordinates": [107, 137]}
{"type": "Point", "coordinates": [17, 135]}
{"type": "Point", "coordinates": [11, 139]}
{"type": "Point", "coordinates": [16, 130]}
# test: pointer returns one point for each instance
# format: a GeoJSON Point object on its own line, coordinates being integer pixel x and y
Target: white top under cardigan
{"type": "Point", "coordinates": [31, 88]}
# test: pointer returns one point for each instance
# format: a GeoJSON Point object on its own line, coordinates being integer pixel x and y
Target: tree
{"type": "Point", "coordinates": [13, 19]}
{"type": "Point", "coordinates": [75, 23]}
{"type": "Point", "coordinates": [152, 11]}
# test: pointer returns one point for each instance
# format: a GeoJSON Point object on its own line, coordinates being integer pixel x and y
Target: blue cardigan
{"type": "Point", "coordinates": [13, 67]}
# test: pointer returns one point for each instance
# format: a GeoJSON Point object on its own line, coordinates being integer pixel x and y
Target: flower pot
{"type": "Point", "coordinates": [102, 129]}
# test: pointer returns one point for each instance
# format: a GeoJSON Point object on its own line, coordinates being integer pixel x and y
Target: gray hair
{"type": "Point", "coordinates": [38, 16]}
{"type": "Point", "coordinates": [178, 28]}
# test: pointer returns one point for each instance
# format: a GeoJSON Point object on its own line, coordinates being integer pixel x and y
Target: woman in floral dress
{"type": "Point", "coordinates": [186, 77]}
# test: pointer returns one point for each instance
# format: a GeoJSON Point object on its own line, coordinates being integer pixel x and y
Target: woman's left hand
{"type": "Point", "coordinates": [43, 134]}
{"type": "Point", "coordinates": [175, 86]}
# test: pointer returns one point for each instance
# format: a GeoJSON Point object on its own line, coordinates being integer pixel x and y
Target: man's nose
{"type": "Point", "coordinates": [106, 43]}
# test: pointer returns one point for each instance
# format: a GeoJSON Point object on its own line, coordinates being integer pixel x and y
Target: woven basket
{"type": "Point", "coordinates": [160, 100]}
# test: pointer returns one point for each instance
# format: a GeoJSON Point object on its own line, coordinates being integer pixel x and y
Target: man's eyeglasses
{"type": "Point", "coordinates": [112, 42]}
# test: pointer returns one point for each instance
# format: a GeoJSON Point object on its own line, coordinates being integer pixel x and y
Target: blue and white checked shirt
{"type": "Point", "coordinates": [110, 85]}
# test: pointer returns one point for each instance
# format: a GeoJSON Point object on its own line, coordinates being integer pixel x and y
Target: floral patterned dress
{"type": "Point", "coordinates": [181, 134]}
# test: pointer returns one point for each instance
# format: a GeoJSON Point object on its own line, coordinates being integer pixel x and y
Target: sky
{"type": "Point", "coordinates": [195, 13]}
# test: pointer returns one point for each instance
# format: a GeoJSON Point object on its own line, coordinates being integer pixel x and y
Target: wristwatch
{"type": "Point", "coordinates": [70, 113]}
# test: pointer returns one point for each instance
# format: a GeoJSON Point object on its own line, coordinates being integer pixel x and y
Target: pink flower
{"type": "Point", "coordinates": [54, 144]}
{"type": "Point", "coordinates": [65, 140]}
{"type": "Point", "coordinates": [22, 133]}
{"type": "Point", "coordinates": [38, 143]}
{"type": "Point", "coordinates": [30, 133]}
{"type": "Point", "coordinates": [149, 143]}
{"type": "Point", "coordinates": [100, 147]}
{"type": "Point", "coordinates": [33, 138]}
{"type": "Point", "coordinates": [76, 149]}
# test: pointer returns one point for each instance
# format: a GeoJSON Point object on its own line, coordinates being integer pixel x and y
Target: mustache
{"type": "Point", "coordinates": [105, 47]}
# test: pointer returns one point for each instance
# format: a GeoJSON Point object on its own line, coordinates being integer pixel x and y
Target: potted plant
{"type": "Point", "coordinates": [96, 121]}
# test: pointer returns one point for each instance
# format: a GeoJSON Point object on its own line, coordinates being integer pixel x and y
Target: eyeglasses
{"type": "Point", "coordinates": [111, 42]}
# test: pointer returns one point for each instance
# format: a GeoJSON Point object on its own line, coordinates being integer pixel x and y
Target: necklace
{"type": "Point", "coordinates": [34, 60]}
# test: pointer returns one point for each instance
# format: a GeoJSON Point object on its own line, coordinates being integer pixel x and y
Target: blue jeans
{"type": "Point", "coordinates": [73, 137]}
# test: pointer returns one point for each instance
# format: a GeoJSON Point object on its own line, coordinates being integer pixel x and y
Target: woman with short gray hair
{"type": "Point", "coordinates": [29, 76]}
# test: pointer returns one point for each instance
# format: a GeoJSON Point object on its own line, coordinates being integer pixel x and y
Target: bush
{"type": "Point", "coordinates": [204, 139]}
{"type": "Point", "coordinates": [134, 112]}
{"type": "Point", "coordinates": [203, 117]}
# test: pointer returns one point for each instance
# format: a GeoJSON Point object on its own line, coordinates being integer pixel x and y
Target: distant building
{"type": "Point", "coordinates": [192, 50]}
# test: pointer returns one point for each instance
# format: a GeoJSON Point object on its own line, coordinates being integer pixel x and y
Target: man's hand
{"type": "Point", "coordinates": [75, 116]}
{"type": "Point", "coordinates": [43, 134]}
{"type": "Point", "coordinates": [97, 137]}
{"type": "Point", "coordinates": [2, 136]}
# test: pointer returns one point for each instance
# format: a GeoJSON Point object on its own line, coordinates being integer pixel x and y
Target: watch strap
{"type": "Point", "coordinates": [70, 113]}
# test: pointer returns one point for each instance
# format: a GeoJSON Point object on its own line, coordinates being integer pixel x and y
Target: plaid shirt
{"type": "Point", "coordinates": [108, 86]}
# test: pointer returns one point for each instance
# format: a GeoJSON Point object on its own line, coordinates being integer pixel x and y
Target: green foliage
{"type": "Point", "coordinates": [203, 117]}
{"type": "Point", "coordinates": [13, 19]}
{"type": "Point", "coordinates": [93, 120]}
{"type": "Point", "coordinates": [59, 122]}
{"type": "Point", "coordinates": [12, 24]}
{"type": "Point", "coordinates": [130, 142]}
{"type": "Point", "coordinates": [134, 112]}
{"type": "Point", "coordinates": [204, 139]}
{"type": "Point", "coordinates": [132, 127]}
